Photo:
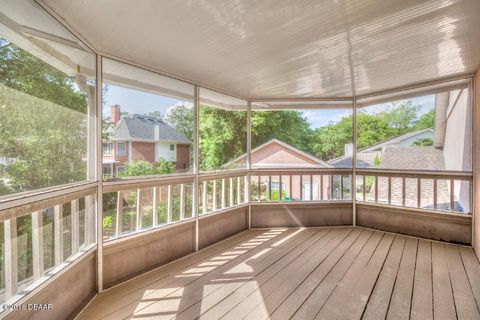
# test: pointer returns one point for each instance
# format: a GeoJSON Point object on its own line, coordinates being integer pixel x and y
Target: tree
{"type": "Point", "coordinates": [426, 121]}
{"type": "Point", "coordinates": [423, 142]}
{"type": "Point", "coordinates": [288, 126]}
{"type": "Point", "coordinates": [43, 134]}
{"type": "Point", "coordinates": [401, 117]}
{"type": "Point", "coordinates": [181, 118]}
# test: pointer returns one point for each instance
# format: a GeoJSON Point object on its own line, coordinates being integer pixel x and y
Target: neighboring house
{"type": "Point", "coordinates": [140, 137]}
{"type": "Point", "coordinates": [278, 154]}
{"type": "Point", "coordinates": [451, 151]}
{"type": "Point", "coordinates": [366, 156]}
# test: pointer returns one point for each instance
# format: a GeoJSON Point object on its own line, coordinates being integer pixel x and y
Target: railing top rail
{"type": "Point", "coordinates": [298, 171]}
{"type": "Point", "coordinates": [457, 175]}
{"type": "Point", "coordinates": [147, 182]}
{"type": "Point", "coordinates": [210, 175]}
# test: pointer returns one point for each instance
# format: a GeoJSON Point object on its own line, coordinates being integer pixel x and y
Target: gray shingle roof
{"type": "Point", "coordinates": [364, 160]}
{"type": "Point", "coordinates": [140, 127]}
{"type": "Point", "coordinates": [412, 158]}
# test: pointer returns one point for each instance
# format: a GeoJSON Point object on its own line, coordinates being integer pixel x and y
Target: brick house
{"type": "Point", "coordinates": [140, 137]}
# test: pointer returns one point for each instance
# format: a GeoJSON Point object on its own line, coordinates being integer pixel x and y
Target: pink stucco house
{"type": "Point", "coordinates": [278, 154]}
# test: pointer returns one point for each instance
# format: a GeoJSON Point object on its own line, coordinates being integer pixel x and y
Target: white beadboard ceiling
{"type": "Point", "coordinates": [286, 48]}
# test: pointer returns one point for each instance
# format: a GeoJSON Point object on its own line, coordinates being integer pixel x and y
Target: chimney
{"type": "Point", "coordinates": [115, 113]}
{"type": "Point", "coordinates": [442, 101]}
{"type": "Point", "coordinates": [348, 149]}
{"type": "Point", "coordinates": [156, 133]}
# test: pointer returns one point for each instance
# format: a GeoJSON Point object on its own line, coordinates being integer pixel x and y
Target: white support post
{"type": "Point", "coordinates": [155, 206]}
{"type": "Point", "coordinates": [97, 202]}
{"type": "Point", "coordinates": [182, 201]}
{"type": "Point", "coordinates": [119, 214]}
{"type": "Point", "coordinates": [58, 233]}
{"type": "Point", "coordinates": [139, 211]}
{"type": "Point", "coordinates": [214, 196]}
{"type": "Point", "coordinates": [231, 192]}
{"type": "Point", "coordinates": [169, 204]}
{"type": "Point", "coordinates": [248, 178]}
{"type": "Point", "coordinates": [223, 193]}
{"type": "Point", "coordinates": [75, 227]}
{"type": "Point", "coordinates": [37, 244]}
{"type": "Point", "coordinates": [11, 253]}
{"type": "Point", "coordinates": [354, 164]}
{"type": "Point", "coordinates": [196, 118]}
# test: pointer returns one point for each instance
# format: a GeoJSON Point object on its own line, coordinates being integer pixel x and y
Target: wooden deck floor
{"type": "Point", "coordinates": [313, 273]}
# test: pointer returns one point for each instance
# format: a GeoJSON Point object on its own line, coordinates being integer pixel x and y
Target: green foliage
{"type": "Point", "coordinates": [376, 161]}
{"type": "Point", "coordinates": [107, 222]}
{"type": "Point", "coordinates": [42, 123]}
{"type": "Point", "coordinates": [181, 118]}
{"type": "Point", "coordinates": [426, 121]}
{"type": "Point", "coordinates": [23, 71]}
{"type": "Point", "coordinates": [223, 136]}
{"type": "Point", "coordinates": [400, 117]}
{"type": "Point", "coordinates": [144, 168]}
{"type": "Point", "coordinates": [423, 142]}
{"type": "Point", "coordinates": [288, 126]}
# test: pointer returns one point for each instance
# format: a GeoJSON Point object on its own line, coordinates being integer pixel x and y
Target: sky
{"type": "Point", "coordinates": [133, 101]}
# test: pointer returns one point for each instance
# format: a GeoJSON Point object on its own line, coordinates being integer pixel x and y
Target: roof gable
{"type": "Point", "coordinates": [145, 128]}
{"type": "Point", "coordinates": [276, 153]}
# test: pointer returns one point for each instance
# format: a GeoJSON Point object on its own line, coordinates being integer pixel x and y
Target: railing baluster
{"type": "Point", "coordinates": [204, 197]}
{"type": "Point", "coordinates": [389, 190]}
{"type": "Point", "coordinates": [311, 187]}
{"type": "Point", "coordinates": [280, 197]}
{"type": "Point", "coordinates": [182, 201]}
{"type": "Point", "coordinates": [290, 186]}
{"type": "Point", "coordinates": [376, 189]}
{"type": "Point", "coordinates": [214, 196]}
{"type": "Point", "coordinates": [169, 204]}
{"type": "Point", "coordinates": [404, 187]}
{"type": "Point", "coordinates": [435, 200]}
{"type": "Point", "coordinates": [331, 186]}
{"type": "Point", "coordinates": [269, 188]}
{"type": "Point", "coordinates": [452, 194]}
{"type": "Point", "coordinates": [321, 187]}
{"type": "Point", "coordinates": [155, 193]}
{"type": "Point", "coordinates": [364, 188]}
{"type": "Point", "coordinates": [341, 187]}
{"type": "Point", "coordinates": [239, 191]}
{"type": "Point", "coordinates": [37, 244]}
{"type": "Point", "coordinates": [231, 192]}
{"type": "Point", "coordinates": [139, 212]}
{"type": "Point", "coordinates": [419, 192]}
{"type": "Point", "coordinates": [223, 193]}
{"type": "Point", "coordinates": [75, 226]}
{"type": "Point", "coordinates": [11, 255]}
{"type": "Point", "coordinates": [245, 189]}
{"type": "Point", "coordinates": [119, 217]}
{"type": "Point", "coordinates": [58, 233]}
{"type": "Point", "coordinates": [90, 232]}
{"type": "Point", "coordinates": [301, 187]}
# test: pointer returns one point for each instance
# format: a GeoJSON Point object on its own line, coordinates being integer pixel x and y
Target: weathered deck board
{"type": "Point", "coordinates": [322, 273]}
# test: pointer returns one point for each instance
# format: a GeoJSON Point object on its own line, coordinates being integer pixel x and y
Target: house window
{"type": "Point", "coordinates": [107, 169]}
{"type": "Point", "coordinates": [107, 149]}
{"type": "Point", "coordinates": [121, 149]}
{"type": "Point", "coordinates": [120, 169]}
{"type": "Point", "coordinates": [276, 184]}
{"type": "Point", "coordinates": [172, 147]}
